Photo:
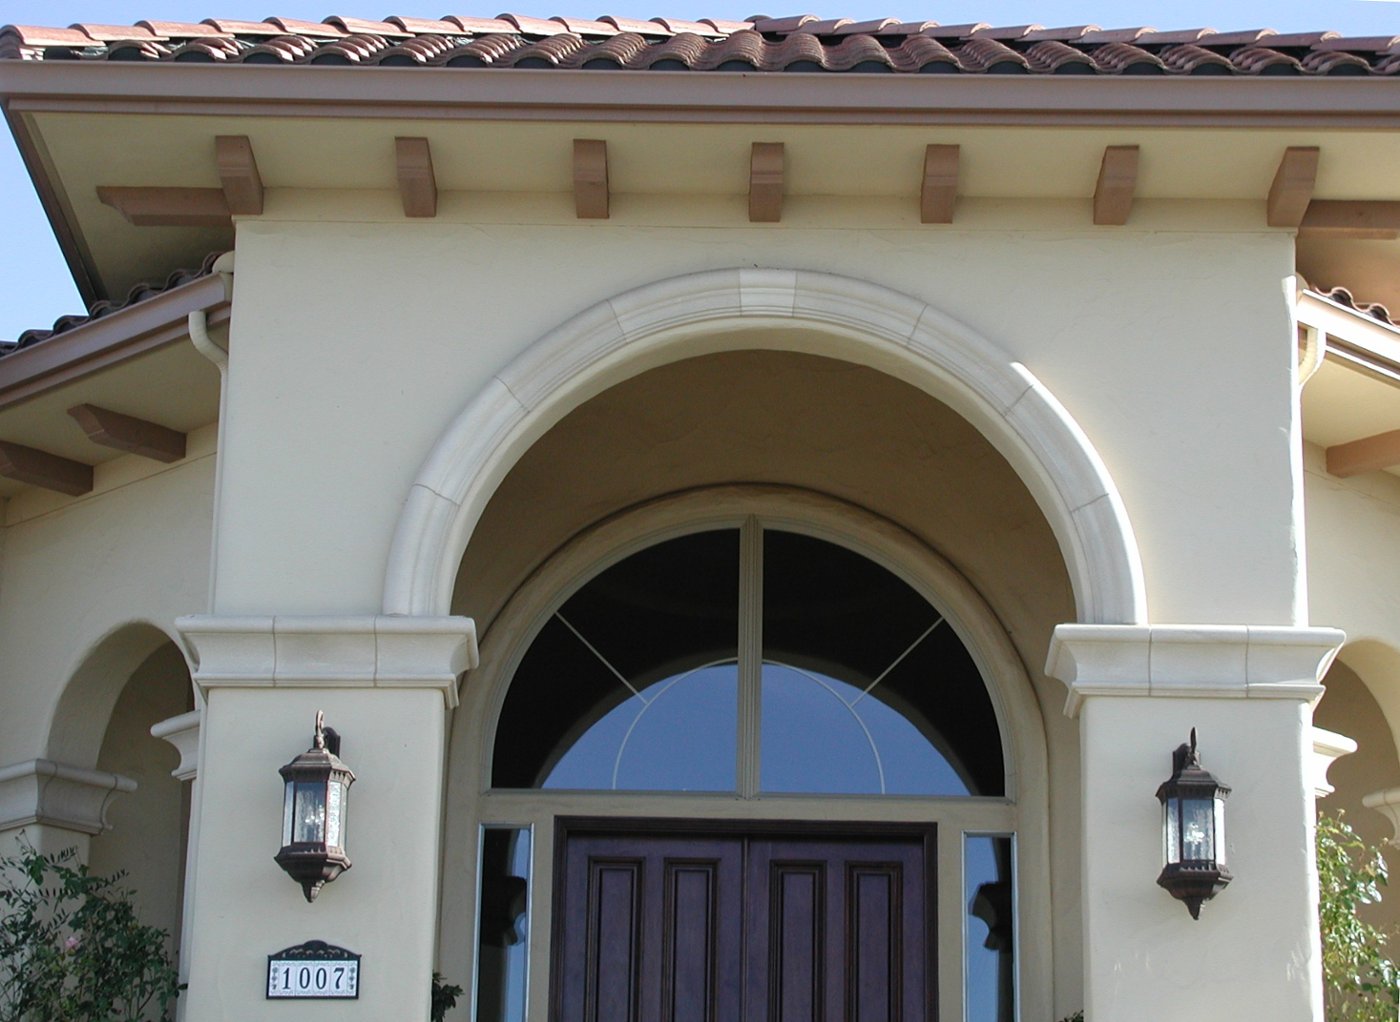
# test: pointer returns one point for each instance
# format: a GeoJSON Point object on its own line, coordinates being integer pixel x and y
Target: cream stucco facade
{"type": "Point", "coordinates": [408, 439]}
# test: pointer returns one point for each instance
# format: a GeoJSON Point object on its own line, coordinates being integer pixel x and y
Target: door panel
{"type": "Point", "coordinates": [743, 927]}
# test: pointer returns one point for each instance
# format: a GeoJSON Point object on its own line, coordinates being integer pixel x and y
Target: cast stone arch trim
{"type": "Point", "coordinates": [700, 313]}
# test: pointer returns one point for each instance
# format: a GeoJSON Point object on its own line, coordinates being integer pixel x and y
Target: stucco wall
{"type": "Point", "coordinates": [135, 550]}
{"type": "Point", "coordinates": [355, 343]}
{"type": "Point", "coordinates": [1353, 560]}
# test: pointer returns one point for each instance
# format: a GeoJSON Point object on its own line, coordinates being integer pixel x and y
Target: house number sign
{"type": "Point", "coordinates": [314, 970]}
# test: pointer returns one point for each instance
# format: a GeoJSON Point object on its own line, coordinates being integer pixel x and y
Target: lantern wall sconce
{"type": "Point", "coordinates": [314, 803]}
{"type": "Point", "coordinates": [1193, 831]}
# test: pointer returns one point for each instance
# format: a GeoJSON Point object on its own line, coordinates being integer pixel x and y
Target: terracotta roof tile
{"type": "Point", "coordinates": [1064, 35]}
{"type": "Point", "coordinates": [114, 33]}
{"type": "Point", "coordinates": [633, 25]}
{"type": "Point", "coordinates": [1010, 34]}
{"type": "Point", "coordinates": [800, 42]}
{"type": "Point", "coordinates": [182, 30]}
{"type": "Point", "coordinates": [726, 27]}
{"type": "Point", "coordinates": [527, 25]}
{"type": "Point", "coordinates": [424, 26]}
{"type": "Point", "coordinates": [1055, 57]}
{"type": "Point", "coordinates": [244, 28]}
{"type": "Point", "coordinates": [579, 26]}
{"type": "Point", "coordinates": [361, 27]}
{"type": "Point", "coordinates": [97, 310]}
{"type": "Point", "coordinates": [34, 35]}
{"type": "Point", "coordinates": [480, 26]}
{"type": "Point", "coordinates": [1375, 310]}
{"type": "Point", "coordinates": [675, 26]}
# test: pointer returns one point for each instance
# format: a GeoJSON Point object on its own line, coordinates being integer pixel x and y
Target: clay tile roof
{"type": "Point", "coordinates": [726, 27]}
{"type": "Point", "coordinates": [182, 30]}
{"type": "Point", "coordinates": [244, 28]}
{"type": "Point", "coordinates": [782, 26]}
{"type": "Point", "coordinates": [34, 35]}
{"type": "Point", "coordinates": [424, 26]}
{"type": "Point", "coordinates": [966, 31]}
{"type": "Point", "coordinates": [480, 26]}
{"type": "Point", "coordinates": [675, 26]}
{"type": "Point", "coordinates": [533, 26]}
{"type": "Point", "coordinates": [1067, 34]}
{"type": "Point", "coordinates": [1355, 44]}
{"type": "Point", "coordinates": [115, 33]}
{"type": "Point", "coordinates": [1007, 34]}
{"type": "Point", "coordinates": [633, 25]}
{"type": "Point", "coordinates": [97, 310]}
{"type": "Point", "coordinates": [827, 27]}
{"type": "Point", "coordinates": [802, 42]}
{"type": "Point", "coordinates": [360, 26]}
{"type": "Point", "coordinates": [310, 29]}
{"type": "Point", "coordinates": [1117, 35]}
{"type": "Point", "coordinates": [1375, 310]}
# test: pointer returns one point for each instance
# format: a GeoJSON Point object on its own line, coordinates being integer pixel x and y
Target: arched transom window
{"type": "Point", "coordinates": [752, 660]}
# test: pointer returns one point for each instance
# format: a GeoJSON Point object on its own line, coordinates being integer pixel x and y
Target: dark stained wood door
{"type": "Point", "coordinates": [743, 926]}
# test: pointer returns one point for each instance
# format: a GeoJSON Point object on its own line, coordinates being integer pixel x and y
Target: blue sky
{"type": "Point", "coordinates": [35, 287]}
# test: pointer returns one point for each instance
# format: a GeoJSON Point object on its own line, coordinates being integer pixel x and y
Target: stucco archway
{"type": "Point", "coordinates": [841, 317]}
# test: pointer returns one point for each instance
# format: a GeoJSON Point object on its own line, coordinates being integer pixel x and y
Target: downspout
{"type": "Point", "coordinates": [206, 345]}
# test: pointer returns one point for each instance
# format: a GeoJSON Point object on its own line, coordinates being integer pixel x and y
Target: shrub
{"type": "Point", "coordinates": [72, 949]}
{"type": "Point", "coordinates": [1359, 978]}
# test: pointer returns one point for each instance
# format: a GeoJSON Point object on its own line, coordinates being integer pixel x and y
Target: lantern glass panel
{"type": "Point", "coordinates": [288, 799]}
{"type": "Point", "coordinates": [335, 812]}
{"type": "Point", "coordinates": [309, 812]}
{"type": "Point", "coordinates": [1198, 829]}
{"type": "Point", "coordinates": [1171, 831]}
{"type": "Point", "coordinates": [1219, 830]}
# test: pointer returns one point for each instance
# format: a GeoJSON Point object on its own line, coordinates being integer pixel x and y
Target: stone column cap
{"type": "Point", "coordinates": [358, 651]}
{"type": "Point", "coordinates": [42, 792]}
{"type": "Point", "coordinates": [1191, 661]}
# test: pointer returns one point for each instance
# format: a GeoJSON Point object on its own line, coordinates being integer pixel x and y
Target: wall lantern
{"type": "Point", "coordinates": [313, 813]}
{"type": "Point", "coordinates": [1193, 830]}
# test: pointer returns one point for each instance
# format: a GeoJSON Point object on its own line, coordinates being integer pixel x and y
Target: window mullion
{"type": "Point", "coordinates": [750, 654]}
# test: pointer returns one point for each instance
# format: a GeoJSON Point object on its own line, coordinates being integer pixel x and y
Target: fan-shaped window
{"type": "Point", "coordinates": [750, 660]}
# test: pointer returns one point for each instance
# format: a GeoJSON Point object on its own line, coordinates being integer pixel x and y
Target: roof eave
{"type": "Point", "coordinates": [115, 337]}
{"type": "Point", "coordinates": [699, 96]}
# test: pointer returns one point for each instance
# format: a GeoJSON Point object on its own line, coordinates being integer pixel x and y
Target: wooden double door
{"type": "Point", "coordinates": [753, 924]}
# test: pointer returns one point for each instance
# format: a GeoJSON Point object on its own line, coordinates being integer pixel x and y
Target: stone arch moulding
{"type": "Point", "coordinates": [844, 318]}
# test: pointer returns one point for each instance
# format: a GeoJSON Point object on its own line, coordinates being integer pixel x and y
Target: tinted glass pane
{"type": "Point", "coordinates": [866, 689]}
{"type": "Point", "coordinates": [631, 684]}
{"type": "Point", "coordinates": [865, 747]}
{"type": "Point", "coordinates": [991, 933]}
{"type": "Point", "coordinates": [503, 933]}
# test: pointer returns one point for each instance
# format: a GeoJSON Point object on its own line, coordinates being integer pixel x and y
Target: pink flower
{"type": "Point", "coordinates": [71, 944]}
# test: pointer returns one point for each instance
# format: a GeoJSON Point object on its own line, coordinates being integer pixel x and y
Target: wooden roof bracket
{"type": "Point", "coordinates": [418, 189]}
{"type": "Point", "coordinates": [939, 193]}
{"type": "Point", "coordinates": [128, 433]}
{"type": "Point", "coordinates": [1293, 185]}
{"type": "Point", "coordinates": [1113, 195]}
{"type": "Point", "coordinates": [766, 167]}
{"type": "Point", "coordinates": [1369, 454]}
{"type": "Point", "coordinates": [40, 468]}
{"type": "Point", "coordinates": [238, 170]}
{"type": "Point", "coordinates": [591, 192]}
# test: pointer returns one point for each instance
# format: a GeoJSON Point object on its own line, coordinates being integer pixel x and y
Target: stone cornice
{"type": "Point", "coordinates": [369, 651]}
{"type": "Point", "coordinates": [42, 792]}
{"type": "Point", "coordinates": [1191, 661]}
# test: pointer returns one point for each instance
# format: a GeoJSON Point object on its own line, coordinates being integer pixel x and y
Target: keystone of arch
{"type": "Point", "coordinates": [700, 313]}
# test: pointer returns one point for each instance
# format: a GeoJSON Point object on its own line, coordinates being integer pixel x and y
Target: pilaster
{"type": "Point", "coordinates": [1137, 691]}
{"type": "Point", "coordinates": [385, 684]}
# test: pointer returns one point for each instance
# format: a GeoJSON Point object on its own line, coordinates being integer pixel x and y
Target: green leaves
{"type": "Point", "coordinates": [1360, 979]}
{"type": "Point", "coordinates": [444, 997]}
{"type": "Point", "coordinates": [72, 949]}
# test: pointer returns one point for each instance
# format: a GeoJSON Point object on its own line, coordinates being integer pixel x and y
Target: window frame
{"type": "Point", "coordinates": [472, 805]}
